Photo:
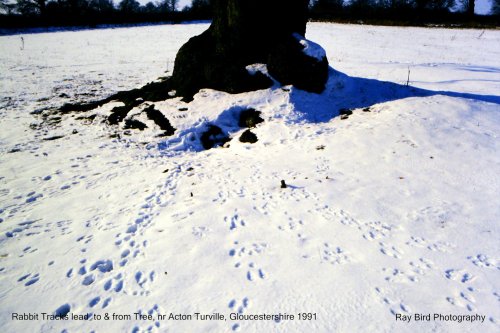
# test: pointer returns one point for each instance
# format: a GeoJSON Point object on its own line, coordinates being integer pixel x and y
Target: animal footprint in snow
{"type": "Point", "coordinates": [104, 266]}
{"type": "Point", "coordinates": [395, 307]}
{"type": "Point", "coordinates": [376, 230]}
{"type": "Point", "coordinates": [241, 306]}
{"type": "Point", "coordinates": [200, 232]}
{"type": "Point", "coordinates": [94, 301]}
{"type": "Point", "coordinates": [125, 253]}
{"type": "Point", "coordinates": [482, 260]}
{"type": "Point", "coordinates": [346, 219]}
{"type": "Point", "coordinates": [88, 280]}
{"type": "Point", "coordinates": [385, 299]}
{"type": "Point", "coordinates": [106, 302]}
{"type": "Point", "coordinates": [441, 215]}
{"type": "Point", "coordinates": [292, 225]}
{"type": "Point", "coordinates": [421, 266]}
{"type": "Point", "coordinates": [298, 194]}
{"type": "Point", "coordinates": [254, 249]}
{"type": "Point", "coordinates": [119, 286]}
{"type": "Point", "coordinates": [443, 247]}
{"type": "Point", "coordinates": [254, 273]}
{"type": "Point", "coordinates": [408, 142]}
{"type": "Point", "coordinates": [28, 250]}
{"type": "Point", "coordinates": [108, 285]}
{"type": "Point", "coordinates": [416, 241]}
{"type": "Point", "coordinates": [154, 312]}
{"type": "Point", "coordinates": [32, 279]}
{"type": "Point", "coordinates": [221, 197]}
{"type": "Point", "coordinates": [23, 226]}
{"type": "Point", "coordinates": [33, 196]}
{"type": "Point", "coordinates": [143, 279]}
{"type": "Point", "coordinates": [396, 275]}
{"type": "Point", "coordinates": [341, 216]}
{"type": "Point", "coordinates": [390, 251]}
{"type": "Point", "coordinates": [116, 287]}
{"type": "Point", "coordinates": [459, 275]}
{"type": "Point", "coordinates": [234, 222]}
{"type": "Point", "coordinates": [464, 300]}
{"type": "Point", "coordinates": [333, 255]}
{"type": "Point", "coordinates": [85, 239]}
{"type": "Point", "coordinates": [400, 308]}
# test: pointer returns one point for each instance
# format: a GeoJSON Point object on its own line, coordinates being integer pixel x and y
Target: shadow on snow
{"type": "Point", "coordinates": [346, 92]}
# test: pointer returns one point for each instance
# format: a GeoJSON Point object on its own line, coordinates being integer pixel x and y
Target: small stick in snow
{"type": "Point", "coordinates": [283, 184]}
{"type": "Point", "coordinates": [408, 80]}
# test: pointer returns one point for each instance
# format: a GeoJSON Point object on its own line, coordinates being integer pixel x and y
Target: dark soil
{"type": "Point", "coordinates": [345, 113]}
{"type": "Point", "coordinates": [160, 120]}
{"type": "Point", "coordinates": [214, 137]}
{"type": "Point", "coordinates": [134, 124]}
{"type": "Point", "coordinates": [248, 137]}
{"type": "Point", "coordinates": [52, 138]}
{"type": "Point", "coordinates": [153, 92]}
{"type": "Point", "coordinates": [249, 118]}
{"type": "Point", "coordinates": [118, 114]}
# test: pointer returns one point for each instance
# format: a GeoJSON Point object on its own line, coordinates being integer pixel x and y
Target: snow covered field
{"type": "Point", "coordinates": [390, 213]}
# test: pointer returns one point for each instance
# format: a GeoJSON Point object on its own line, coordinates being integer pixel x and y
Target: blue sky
{"type": "Point", "coordinates": [183, 3]}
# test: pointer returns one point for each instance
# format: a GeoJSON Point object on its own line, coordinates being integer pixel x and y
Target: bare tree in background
{"type": "Point", "coordinates": [172, 5]}
{"type": "Point", "coordinates": [470, 7]}
{"type": "Point", "coordinates": [6, 7]}
{"type": "Point", "coordinates": [101, 6]}
{"type": "Point", "coordinates": [129, 6]}
{"type": "Point", "coordinates": [495, 7]}
{"type": "Point", "coordinates": [31, 7]}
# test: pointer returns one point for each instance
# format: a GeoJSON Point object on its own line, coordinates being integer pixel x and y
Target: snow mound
{"type": "Point", "coordinates": [311, 49]}
{"type": "Point", "coordinates": [215, 119]}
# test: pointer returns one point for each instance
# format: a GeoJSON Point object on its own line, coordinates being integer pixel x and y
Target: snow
{"type": "Point", "coordinates": [311, 49]}
{"type": "Point", "coordinates": [391, 211]}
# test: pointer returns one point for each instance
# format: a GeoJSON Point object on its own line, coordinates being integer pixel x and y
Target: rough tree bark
{"type": "Point", "coordinates": [245, 32]}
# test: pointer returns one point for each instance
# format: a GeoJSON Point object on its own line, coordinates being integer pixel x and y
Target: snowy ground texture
{"type": "Point", "coordinates": [392, 211]}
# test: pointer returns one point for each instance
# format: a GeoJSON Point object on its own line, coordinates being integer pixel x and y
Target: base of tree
{"type": "Point", "coordinates": [244, 33]}
{"type": "Point", "coordinates": [197, 65]}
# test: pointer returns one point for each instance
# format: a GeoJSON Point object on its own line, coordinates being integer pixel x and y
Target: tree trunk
{"type": "Point", "coordinates": [244, 32]}
{"type": "Point", "coordinates": [42, 7]}
{"type": "Point", "coordinates": [470, 7]}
